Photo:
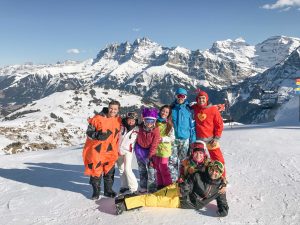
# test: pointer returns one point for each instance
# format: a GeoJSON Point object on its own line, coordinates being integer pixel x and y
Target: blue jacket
{"type": "Point", "coordinates": [184, 125]}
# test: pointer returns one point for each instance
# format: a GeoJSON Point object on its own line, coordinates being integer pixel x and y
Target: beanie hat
{"type": "Point", "coordinates": [201, 93]}
{"type": "Point", "coordinates": [150, 113]}
{"type": "Point", "coordinates": [216, 165]}
{"type": "Point", "coordinates": [181, 91]}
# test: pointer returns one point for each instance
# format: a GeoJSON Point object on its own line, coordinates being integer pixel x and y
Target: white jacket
{"type": "Point", "coordinates": [127, 139]}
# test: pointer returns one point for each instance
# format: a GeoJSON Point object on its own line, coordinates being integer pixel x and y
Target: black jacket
{"type": "Point", "coordinates": [199, 189]}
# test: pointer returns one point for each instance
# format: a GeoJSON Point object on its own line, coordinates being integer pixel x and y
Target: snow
{"type": "Point", "coordinates": [74, 107]}
{"type": "Point", "coordinates": [262, 161]}
{"type": "Point", "coordinates": [3, 143]}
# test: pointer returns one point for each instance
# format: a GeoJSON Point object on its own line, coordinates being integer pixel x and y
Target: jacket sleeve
{"type": "Point", "coordinates": [192, 129]}
{"type": "Point", "coordinates": [95, 134]}
{"type": "Point", "coordinates": [170, 137]}
{"type": "Point", "coordinates": [155, 142]}
{"type": "Point", "coordinates": [218, 124]}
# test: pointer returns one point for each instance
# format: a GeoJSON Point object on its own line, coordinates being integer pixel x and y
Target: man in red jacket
{"type": "Point", "coordinates": [209, 126]}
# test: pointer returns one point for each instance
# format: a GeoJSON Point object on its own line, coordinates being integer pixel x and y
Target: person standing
{"type": "Point", "coordinates": [209, 126]}
{"type": "Point", "coordinates": [100, 151]}
{"type": "Point", "coordinates": [184, 131]}
{"type": "Point", "coordinates": [164, 150]}
{"type": "Point", "coordinates": [145, 148]}
{"type": "Point", "coordinates": [129, 131]}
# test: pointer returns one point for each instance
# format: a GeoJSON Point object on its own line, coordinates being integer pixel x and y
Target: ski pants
{"type": "Point", "coordinates": [147, 176]}
{"type": "Point", "coordinates": [163, 175]}
{"type": "Point", "coordinates": [216, 154]}
{"type": "Point", "coordinates": [128, 179]}
{"type": "Point", "coordinates": [180, 150]}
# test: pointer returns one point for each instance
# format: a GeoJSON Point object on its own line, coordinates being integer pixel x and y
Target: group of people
{"type": "Point", "coordinates": [170, 145]}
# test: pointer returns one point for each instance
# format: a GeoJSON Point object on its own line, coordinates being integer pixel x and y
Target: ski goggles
{"type": "Point", "coordinates": [132, 115]}
{"type": "Point", "coordinates": [181, 96]}
{"type": "Point", "coordinates": [149, 121]}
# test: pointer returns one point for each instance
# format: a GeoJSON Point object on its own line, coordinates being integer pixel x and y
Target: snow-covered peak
{"type": "Point", "coordinates": [274, 50]}
{"type": "Point", "coordinates": [141, 50]}
{"type": "Point", "coordinates": [144, 41]}
{"type": "Point", "coordinates": [43, 69]}
{"type": "Point", "coordinates": [181, 50]}
{"type": "Point", "coordinates": [237, 50]}
{"type": "Point", "coordinates": [229, 45]}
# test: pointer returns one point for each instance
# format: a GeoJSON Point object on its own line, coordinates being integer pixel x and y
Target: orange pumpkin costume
{"type": "Point", "coordinates": [100, 151]}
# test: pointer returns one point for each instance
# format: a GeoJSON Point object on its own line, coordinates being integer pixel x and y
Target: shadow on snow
{"type": "Point", "coordinates": [56, 175]}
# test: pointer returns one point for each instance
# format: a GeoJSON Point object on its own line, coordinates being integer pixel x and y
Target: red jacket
{"type": "Point", "coordinates": [149, 139]}
{"type": "Point", "coordinates": [209, 123]}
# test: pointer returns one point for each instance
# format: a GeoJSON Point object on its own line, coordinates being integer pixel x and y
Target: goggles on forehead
{"type": "Point", "coordinates": [181, 96]}
{"type": "Point", "coordinates": [132, 115]}
{"type": "Point", "coordinates": [218, 167]}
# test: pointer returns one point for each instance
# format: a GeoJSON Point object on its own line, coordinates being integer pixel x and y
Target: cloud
{"type": "Point", "coordinates": [285, 4]}
{"type": "Point", "coordinates": [136, 29]}
{"type": "Point", "coordinates": [73, 51]}
{"type": "Point", "coordinates": [285, 9]}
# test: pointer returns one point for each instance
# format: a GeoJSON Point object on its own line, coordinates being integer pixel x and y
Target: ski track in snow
{"type": "Point", "coordinates": [48, 187]}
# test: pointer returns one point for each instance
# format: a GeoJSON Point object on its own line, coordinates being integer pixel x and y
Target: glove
{"type": "Point", "coordinates": [184, 189]}
{"type": "Point", "coordinates": [151, 162]}
{"type": "Point", "coordinates": [180, 180]}
{"type": "Point", "coordinates": [192, 103]}
{"type": "Point", "coordinates": [213, 143]}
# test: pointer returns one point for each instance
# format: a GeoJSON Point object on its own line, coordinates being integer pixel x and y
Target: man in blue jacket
{"type": "Point", "coordinates": [184, 131]}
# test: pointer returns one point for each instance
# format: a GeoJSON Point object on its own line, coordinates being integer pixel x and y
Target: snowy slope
{"type": "Point", "coordinates": [262, 165]}
{"type": "Point", "coordinates": [58, 120]}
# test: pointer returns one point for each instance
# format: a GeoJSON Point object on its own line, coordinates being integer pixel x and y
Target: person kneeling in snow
{"type": "Point", "coordinates": [200, 188]}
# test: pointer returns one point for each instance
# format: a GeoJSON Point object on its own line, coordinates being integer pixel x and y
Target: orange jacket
{"type": "Point", "coordinates": [100, 151]}
{"type": "Point", "coordinates": [209, 123]}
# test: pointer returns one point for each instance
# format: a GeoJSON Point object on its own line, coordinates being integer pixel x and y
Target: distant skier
{"type": "Point", "coordinates": [100, 151]}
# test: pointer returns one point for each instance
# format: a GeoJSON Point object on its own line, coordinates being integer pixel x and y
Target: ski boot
{"type": "Point", "coordinates": [95, 182]}
{"type": "Point", "coordinates": [120, 205]}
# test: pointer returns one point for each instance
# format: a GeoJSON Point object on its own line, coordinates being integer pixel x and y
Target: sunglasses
{"type": "Point", "coordinates": [181, 96]}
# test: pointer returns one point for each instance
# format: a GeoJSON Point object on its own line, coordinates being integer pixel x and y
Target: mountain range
{"type": "Point", "coordinates": [255, 79]}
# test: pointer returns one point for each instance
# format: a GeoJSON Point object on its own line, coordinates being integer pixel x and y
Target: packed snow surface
{"type": "Point", "coordinates": [262, 161]}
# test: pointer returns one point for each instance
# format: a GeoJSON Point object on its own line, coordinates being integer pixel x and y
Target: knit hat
{"type": "Point", "coordinates": [202, 93]}
{"type": "Point", "coordinates": [150, 113]}
{"type": "Point", "coordinates": [181, 91]}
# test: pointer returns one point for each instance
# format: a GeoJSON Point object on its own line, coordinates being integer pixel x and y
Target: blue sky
{"type": "Point", "coordinates": [42, 31]}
